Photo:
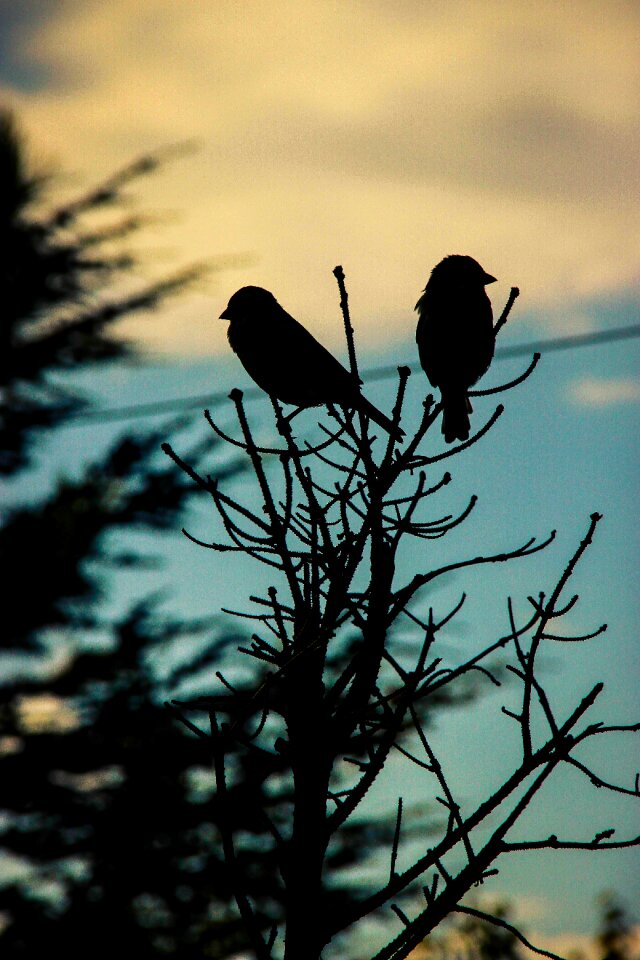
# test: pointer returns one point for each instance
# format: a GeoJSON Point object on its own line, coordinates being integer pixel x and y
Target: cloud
{"type": "Point", "coordinates": [603, 392]}
{"type": "Point", "coordinates": [383, 136]}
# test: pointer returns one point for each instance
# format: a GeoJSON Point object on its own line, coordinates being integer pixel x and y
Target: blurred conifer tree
{"type": "Point", "coordinates": [105, 839]}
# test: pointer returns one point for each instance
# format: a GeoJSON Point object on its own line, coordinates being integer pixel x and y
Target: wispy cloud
{"type": "Point", "coordinates": [603, 392]}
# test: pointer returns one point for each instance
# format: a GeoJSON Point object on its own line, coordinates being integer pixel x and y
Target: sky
{"type": "Point", "coordinates": [377, 135]}
{"type": "Point", "coordinates": [384, 136]}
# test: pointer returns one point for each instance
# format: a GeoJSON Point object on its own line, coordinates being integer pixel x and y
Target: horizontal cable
{"type": "Point", "coordinates": [158, 407]}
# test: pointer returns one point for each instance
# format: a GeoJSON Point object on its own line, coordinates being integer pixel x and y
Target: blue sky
{"type": "Point", "coordinates": [384, 137]}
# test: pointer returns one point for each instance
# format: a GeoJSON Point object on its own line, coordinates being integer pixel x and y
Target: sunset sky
{"type": "Point", "coordinates": [377, 135]}
{"type": "Point", "coordinates": [382, 136]}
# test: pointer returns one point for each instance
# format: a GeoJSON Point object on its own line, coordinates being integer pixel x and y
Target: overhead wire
{"type": "Point", "coordinates": [174, 404]}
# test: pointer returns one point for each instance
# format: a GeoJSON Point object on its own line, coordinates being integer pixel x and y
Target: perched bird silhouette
{"type": "Point", "coordinates": [455, 336]}
{"type": "Point", "coordinates": [287, 362]}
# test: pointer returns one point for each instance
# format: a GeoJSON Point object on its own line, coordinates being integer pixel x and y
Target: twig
{"type": "Point", "coordinates": [552, 843]}
{"type": "Point", "coordinates": [511, 383]}
{"type": "Point", "coordinates": [402, 596]}
{"type": "Point", "coordinates": [396, 841]}
{"type": "Point", "coordinates": [499, 922]}
{"type": "Point", "coordinates": [338, 273]}
{"type": "Point", "coordinates": [515, 293]}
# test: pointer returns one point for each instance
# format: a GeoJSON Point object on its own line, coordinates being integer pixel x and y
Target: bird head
{"type": "Point", "coordinates": [248, 300]}
{"type": "Point", "coordinates": [461, 270]}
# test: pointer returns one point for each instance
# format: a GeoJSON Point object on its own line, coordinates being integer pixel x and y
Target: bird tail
{"type": "Point", "coordinates": [455, 416]}
{"type": "Point", "coordinates": [374, 414]}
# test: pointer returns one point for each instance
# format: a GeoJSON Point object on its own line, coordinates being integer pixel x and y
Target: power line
{"type": "Point", "coordinates": [158, 407]}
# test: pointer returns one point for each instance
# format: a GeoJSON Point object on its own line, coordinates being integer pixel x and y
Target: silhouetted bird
{"type": "Point", "coordinates": [287, 361]}
{"type": "Point", "coordinates": [455, 336]}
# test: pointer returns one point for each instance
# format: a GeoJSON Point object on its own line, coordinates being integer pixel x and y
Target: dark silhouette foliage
{"type": "Point", "coordinates": [60, 301]}
{"type": "Point", "coordinates": [104, 835]}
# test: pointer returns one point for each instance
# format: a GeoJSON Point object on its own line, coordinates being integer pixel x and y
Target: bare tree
{"type": "Point", "coordinates": [336, 686]}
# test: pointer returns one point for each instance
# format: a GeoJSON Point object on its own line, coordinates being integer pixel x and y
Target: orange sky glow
{"type": "Point", "coordinates": [379, 136]}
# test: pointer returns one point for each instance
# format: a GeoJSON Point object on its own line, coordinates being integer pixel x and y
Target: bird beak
{"type": "Point", "coordinates": [488, 279]}
{"type": "Point", "coordinates": [224, 315]}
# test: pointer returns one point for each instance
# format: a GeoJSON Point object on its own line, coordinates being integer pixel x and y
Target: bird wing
{"type": "Point", "coordinates": [312, 373]}
{"type": "Point", "coordinates": [287, 361]}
